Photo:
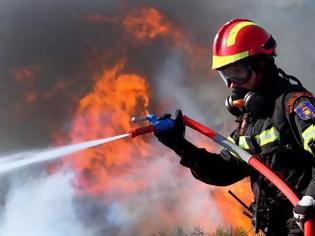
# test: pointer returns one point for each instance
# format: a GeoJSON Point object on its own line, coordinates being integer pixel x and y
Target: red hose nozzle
{"type": "Point", "coordinates": [140, 131]}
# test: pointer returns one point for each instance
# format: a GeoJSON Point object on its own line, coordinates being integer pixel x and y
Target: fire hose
{"type": "Point", "coordinates": [240, 153]}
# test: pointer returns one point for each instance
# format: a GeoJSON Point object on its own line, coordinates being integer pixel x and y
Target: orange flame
{"type": "Point", "coordinates": [232, 210]}
{"type": "Point", "coordinates": [146, 24]}
{"type": "Point", "coordinates": [105, 112]}
{"type": "Point", "coordinates": [26, 76]}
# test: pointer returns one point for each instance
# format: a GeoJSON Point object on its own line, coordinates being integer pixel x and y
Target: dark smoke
{"type": "Point", "coordinates": [54, 37]}
{"type": "Point", "coordinates": [49, 53]}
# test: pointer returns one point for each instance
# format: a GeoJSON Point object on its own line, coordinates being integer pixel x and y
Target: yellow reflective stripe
{"type": "Point", "coordinates": [242, 142]}
{"type": "Point", "coordinates": [232, 153]}
{"type": "Point", "coordinates": [231, 139]}
{"type": "Point", "coordinates": [234, 31]}
{"type": "Point", "coordinates": [267, 136]}
{"type": "Point", "coordinates": [308, 135]}
{"type": "Point", "coordinates": [219, 61]}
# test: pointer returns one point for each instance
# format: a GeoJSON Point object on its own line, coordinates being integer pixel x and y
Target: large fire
{"type": "Point", "coordinates": [106, 111]}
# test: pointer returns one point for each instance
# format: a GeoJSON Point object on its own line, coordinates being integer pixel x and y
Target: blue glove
{"type": "Point", "coordinates": [170, 132]}
{"type": "Point", "coordinates": [163, 124]}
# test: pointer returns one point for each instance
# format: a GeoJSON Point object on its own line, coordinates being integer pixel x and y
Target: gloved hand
{"type": "Point", "coordinates": [172, 134]}
{"type": "Point", "coordinates": [304, 209]}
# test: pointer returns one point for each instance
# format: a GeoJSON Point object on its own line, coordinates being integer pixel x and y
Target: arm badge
{"type": "Point", "coordinates": [305, 110]}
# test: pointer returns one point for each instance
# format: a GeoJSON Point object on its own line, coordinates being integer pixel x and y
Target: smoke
{"type": "Point", "coordinates": [50, 204]}
{"type": "Point", "coordinates": [141, 212]}
{"type": "Point", "coordinates": [194, 99]}
{"type": "Point", "coordinates": [41, 207]}
{"type": "Point", "coordinates": [50, 52]}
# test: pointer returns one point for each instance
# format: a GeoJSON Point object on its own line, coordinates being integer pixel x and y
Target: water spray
{"type": "Point", "coordinates": [18, 160]}
{"type": "Point", "coordinates": [49, 154]}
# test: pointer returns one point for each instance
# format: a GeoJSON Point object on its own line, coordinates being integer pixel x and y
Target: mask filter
{"type": "Point", "coordinates": [235, 103]}
{"type": "Point", "coordinates": [257, 104]}
{"type": "Point", "coordinates": [232, 107]}
{"type": "Point", "coordinates": [244, 101]}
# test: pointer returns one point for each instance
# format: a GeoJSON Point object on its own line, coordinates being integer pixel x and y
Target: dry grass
{"type": "Point", "coordinates": [197, 231]}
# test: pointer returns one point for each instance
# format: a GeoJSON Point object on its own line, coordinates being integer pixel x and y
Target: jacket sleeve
{"type": "Point", "coordinates": [216, 169]}
{"type": "Point", "coordinates": [304, 117]}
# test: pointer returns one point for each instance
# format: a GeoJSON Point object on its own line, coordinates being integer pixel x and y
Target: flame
{"type": "Point", "coordinates": [226, 203]}
{"type": "Point", "coordinates": [28, 79]}
{"type": "Point", "coordinates": [26, 76]}
{"type": "Point", "coordinates": [119, 171]}
{"type": "Point", "coordinates": [147, 23]}
{"type": "Point", "coordinates": [105, 112]}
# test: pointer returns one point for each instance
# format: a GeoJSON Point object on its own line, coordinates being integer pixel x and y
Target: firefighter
{"type": "Point", "coordinates": [274, 117]}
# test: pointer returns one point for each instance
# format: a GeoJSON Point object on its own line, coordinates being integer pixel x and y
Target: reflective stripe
{"type": "Point", "coordinates": [219, 61]}
{"type": "Point", "coordinates": [234, 31]}
{"type": "Point", "coordinates": [267, 136]}
{"type": "Point", "coordinates": [231, 139]}
{"type": "Point", "coordinates": [242, 142]}
{"type": "Point", "coordinates": [308, 136]}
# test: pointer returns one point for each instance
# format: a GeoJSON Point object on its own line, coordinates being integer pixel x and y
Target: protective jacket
{"type": "Point", "coordinates": [282, 137]}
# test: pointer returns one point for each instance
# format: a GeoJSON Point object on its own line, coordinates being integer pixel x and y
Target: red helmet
{"type": "Point", "coordinates": [238, 39]}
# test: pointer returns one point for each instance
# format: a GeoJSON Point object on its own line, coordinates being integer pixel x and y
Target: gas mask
{"type": "Point", "coordinates": [244, 101]}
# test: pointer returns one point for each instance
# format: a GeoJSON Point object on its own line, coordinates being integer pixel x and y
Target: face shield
{"type": "Point", "coordinates": [237, 73]}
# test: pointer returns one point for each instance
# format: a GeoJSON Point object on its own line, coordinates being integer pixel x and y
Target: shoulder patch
{"type": "Point", "coordinates": [294, 96]}
{"type": "Point", "coordinates": [305, 110]}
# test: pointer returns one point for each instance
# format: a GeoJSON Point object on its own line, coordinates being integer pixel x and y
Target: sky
{"type": "Point", "coordinates": [51, 56]}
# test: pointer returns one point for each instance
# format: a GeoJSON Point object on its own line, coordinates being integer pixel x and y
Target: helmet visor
{"type": "Point", "coordinates": [237, 73]}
